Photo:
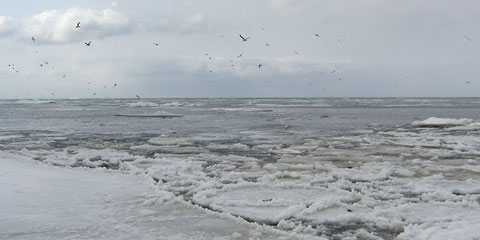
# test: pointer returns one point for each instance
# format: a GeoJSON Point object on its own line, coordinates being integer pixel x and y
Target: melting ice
{"type": "Point", "coordinates": [275, 168]}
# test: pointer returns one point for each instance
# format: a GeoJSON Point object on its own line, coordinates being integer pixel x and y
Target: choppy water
{"type": "Point", "coordinates": [328, 167]}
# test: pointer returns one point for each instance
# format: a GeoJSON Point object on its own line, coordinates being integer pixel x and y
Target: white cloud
{"type": "Point", "coordinates": [58, 26]}
{"type": "Point", "coordinates": [6, 25]}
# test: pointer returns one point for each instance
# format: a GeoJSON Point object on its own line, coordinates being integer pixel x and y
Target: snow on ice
{"type": "Point", "coordinates": [413, 182]}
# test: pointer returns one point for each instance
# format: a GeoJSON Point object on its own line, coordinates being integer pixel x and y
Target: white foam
{"type": "Point", "coordinates": [6, 137]}
{"type": "Point", "coordinates": [247, 110]}
{"type": "Point", "coordinates": [34, 101]}
{"type": "Point", "coordinates": [174, 104]}
{"type": "Point", "coordinates": [142, 104]}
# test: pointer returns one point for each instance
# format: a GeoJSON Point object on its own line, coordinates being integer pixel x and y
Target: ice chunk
{"type": "Point", "coordinates": [441, 122]}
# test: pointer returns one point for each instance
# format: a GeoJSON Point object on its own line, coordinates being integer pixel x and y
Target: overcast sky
{"type": "Point", "coordinates": [364, 48]}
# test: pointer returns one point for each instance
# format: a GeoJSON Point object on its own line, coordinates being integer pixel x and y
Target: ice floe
{"type": "Point", "coordinates": [441, 122]}
{"type": "Point", "coordinates": [411, 182]}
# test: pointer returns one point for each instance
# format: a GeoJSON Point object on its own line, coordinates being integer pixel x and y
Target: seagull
{"type": "Point", "coordinates": [467, 82]}
{"type": "Point", "coordinates": [156, 44]}
{"type": "Point", "coordinates": [46, 63]}
{"type": "Point", "coordinates": [260, 65]}
{"type": "Point", "coordinates": [334, 71]}
{"type": "Point", "coordinates": [41, 65]}
{"type": "Point", "coordinates": [114, 84]}
{"type": "Point", "coordinates": [266, 44]}
{"type": "Point", "coordinates": [241, 54]}
{"type": "Point", "coordinates": [316, 34]}
{"type": "Point", "coordinates": [78, 25]}
{"type": "Point", "coordinates": [138, 96]}
{"type": "Point", "coordinates": [88, 44]}
{"type": "Point", "coordinates": [244, 39]}
{"type": "Point", "coordinates": [33, 39]}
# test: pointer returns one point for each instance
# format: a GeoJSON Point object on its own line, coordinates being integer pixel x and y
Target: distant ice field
{"type": "Point", "coordinates": [281, 168]}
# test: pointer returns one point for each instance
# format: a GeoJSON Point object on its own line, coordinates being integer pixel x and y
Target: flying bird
{"type": "Point", "coordinates": [244, 39]}
{"type": "Point", "coordinates": [266, 44]}
{"type": "Point", "coordinates": [33, 39]}
{"type": "Point", "coordinates": [241, 54]}
{"type": "Point", "coordinates": [260, 65]}
{"type": "Point", "coordinates": [467, 82]}
{"type": "Point", "coordinates": [156, 44]}
{"type": "Point", "coordinates": [138, 96]}
{"type": "Point", "coordinates": [316, 34]}
{"type": "Point", "coordinates": [88, 44]}
{"type": "Point", "coordinates": [78, 25]}
{"type": "Point", "coordinates": [468, 38]}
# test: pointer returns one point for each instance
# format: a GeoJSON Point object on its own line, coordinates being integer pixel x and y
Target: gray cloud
{"type": "Point", "coordinates": [376, 47]}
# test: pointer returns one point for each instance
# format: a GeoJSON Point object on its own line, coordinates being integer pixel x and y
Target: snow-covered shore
{"type": "Point", "coordinates": [40, 201]}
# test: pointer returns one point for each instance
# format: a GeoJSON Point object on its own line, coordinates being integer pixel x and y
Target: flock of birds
{"type": "Point", "coordinates": [45, 63]}
{"type": "Point", "coordinates": [88, 44]}
{"type": "Point", "coordinates": [244, 39]}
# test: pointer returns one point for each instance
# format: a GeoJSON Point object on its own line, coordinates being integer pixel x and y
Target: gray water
{"type": "Point", "coordinates": [305, 118]}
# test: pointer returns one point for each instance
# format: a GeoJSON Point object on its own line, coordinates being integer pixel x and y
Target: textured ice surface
{"type": "Point", "coordinates": [378, 181]}
{"type": "Point", "coordinates": [441, 122]}
{"type": "Point", "coordinates": [44, 202]}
